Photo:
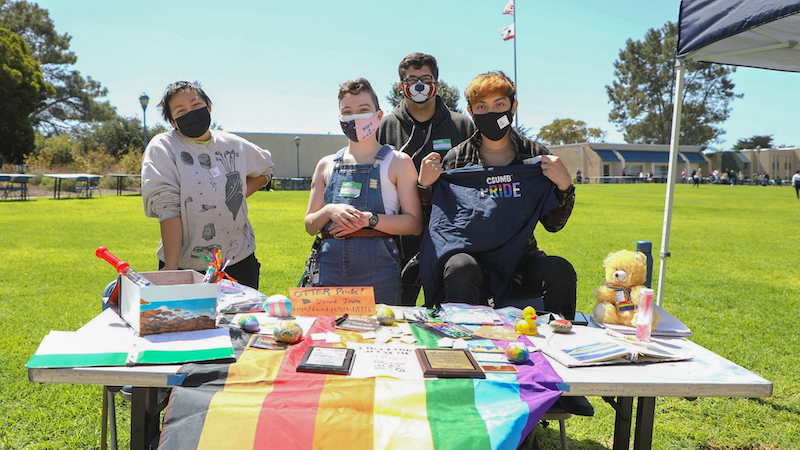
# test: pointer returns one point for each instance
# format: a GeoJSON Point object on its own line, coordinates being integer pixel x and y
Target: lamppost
{"type": "Point", "coordinates": [144, 99]}
{"type": "Point", "coordinates": [758, 159]}
{"type": "Point", "coordinates": [297, 143]}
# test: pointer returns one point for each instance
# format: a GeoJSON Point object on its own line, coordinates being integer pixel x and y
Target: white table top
{"type": "Point", "coordinates": [73, 176]}
{"type": "Point", "coordinates": [705, 375]}
{"type": "Point", "coordinates": [16, 177]}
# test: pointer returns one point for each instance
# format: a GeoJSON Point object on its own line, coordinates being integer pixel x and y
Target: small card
{"type": "Point", "coordinates": [486, 357]}
{"type": "Point", "coordinates": [359, 323]}
{"type": "Point", "coordinates": [327, 360]}
{"type": "Point", "coordinates": [498, 333]}
{"type": "Point", "coordinates": [508, 368]}
{"type": "Point", "coordinates": [442, 329]}
{"type": "Point", "coordinates": [267, 342]}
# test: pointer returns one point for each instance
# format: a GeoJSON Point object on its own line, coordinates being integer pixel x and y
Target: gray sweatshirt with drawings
{"type": "Point", "coordinates": [206, 186]}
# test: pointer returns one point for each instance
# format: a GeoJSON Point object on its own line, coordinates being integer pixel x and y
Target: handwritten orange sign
{"type": "Point", "coordinates": [332, 301]}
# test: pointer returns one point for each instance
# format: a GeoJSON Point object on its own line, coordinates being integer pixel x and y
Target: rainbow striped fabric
{"type": "Point", "coordinates": [261, 402]}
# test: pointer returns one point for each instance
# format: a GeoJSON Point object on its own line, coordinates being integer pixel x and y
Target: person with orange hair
{"type": "Point", "coordinates": [519, 184]}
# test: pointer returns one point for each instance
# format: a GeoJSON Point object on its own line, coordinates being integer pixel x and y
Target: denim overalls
{"type": "Point", "coordinates": [360, 261]}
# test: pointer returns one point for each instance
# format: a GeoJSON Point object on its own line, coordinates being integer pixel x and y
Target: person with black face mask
{"type": "Point", "coordinates": [196, 181]}
{"type": "Point", "coordinates": [471, 276]}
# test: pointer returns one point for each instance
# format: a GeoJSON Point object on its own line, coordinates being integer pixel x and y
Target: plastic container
{"type": "Point", "coordinates": [644, 320]}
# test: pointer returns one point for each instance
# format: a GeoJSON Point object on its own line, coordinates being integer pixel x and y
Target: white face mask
{"type": "Point", "coordinates": [419, 92]}
{"type": "Point", "coordinates": [358, 127]}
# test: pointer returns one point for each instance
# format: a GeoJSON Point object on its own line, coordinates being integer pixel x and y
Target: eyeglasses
{"type": "Point", "coordinates": [414, 80]}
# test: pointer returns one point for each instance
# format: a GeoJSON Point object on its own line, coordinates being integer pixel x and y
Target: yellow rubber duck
{"type": "Point", "coordinates": [527, 325]}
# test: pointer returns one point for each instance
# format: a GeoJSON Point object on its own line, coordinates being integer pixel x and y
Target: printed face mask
{"type": "Point", "coordinates": [419, 92]}
{"type": "Point", "coordinates": [358, 127]}
{"type": "Point", "coordinates": [493, 125]}
{"type": "Point", "coordinates": [194, 123]}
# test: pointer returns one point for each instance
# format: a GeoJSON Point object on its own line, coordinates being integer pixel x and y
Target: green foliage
{"type": "Point", "coordinates": [74, 99]}
{"type": "Point", "coordinates": [22, 87]}
{"type": "Point", "coordinates": [118, 136]}
{"type": "Point", "coordinates": [568, 131]}
{"type": "Point", "coordinates": [642, 96]}
{"type": "Point", "coordinates": [52, 151]}
{"type": "Point", "coordinates": [732, 284]}
{"type": "Point", "coordinates": [448, 93]}
{"type": "Point", "coordinates": [758, 141]}
{"type": "Point", "coordinates": [131, 162]}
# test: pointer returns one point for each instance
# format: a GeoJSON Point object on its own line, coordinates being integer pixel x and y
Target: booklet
{"type": "Point", "coordinates": [594, 346]}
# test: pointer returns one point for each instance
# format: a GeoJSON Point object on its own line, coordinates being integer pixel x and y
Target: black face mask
{"type": "Point", "coordinates": [194, 123]}
{"type": "Point", "coordinates": [493, 125]}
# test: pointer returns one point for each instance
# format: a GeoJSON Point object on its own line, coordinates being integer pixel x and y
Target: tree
{"type": "Point", "coordinates": [22, 87]}
{"type": "Point", "coordinates": [74, 99]}
{"type": "Point", "coordinates": [117, 136]}
{"type": "Point", "coordinates": [644, 92]}
{"type": "Point", "coordinates": [753, 142]}
{"type": "Point", "coordinates": [568, 131]}
{"type": "Point", "coordinates": [449, 94]}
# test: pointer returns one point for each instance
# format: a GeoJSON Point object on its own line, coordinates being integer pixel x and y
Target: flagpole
{"type": "Point", "coordinates": [514, 17]}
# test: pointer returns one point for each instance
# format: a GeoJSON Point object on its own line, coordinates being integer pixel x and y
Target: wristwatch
{"type": "Point", "coordinates": [373, 220]}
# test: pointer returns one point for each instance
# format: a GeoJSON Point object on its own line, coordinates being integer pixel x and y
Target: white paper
{"type": "Point", "coordinates": [396, 361]}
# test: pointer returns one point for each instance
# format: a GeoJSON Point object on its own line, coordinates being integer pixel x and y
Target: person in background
{"type": "Point", "coordinates": [361, 198]}
{"type": "Point", "coordinates": [421, 124]}
{"type": "Point", "coordinates": [796, 182]}
{"type": "Point", "coordinates": [465, 279]}
{"type": "Point", "coordinates": [196, 182]}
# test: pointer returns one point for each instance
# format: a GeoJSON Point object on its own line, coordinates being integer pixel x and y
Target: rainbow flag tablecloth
{"type": "Point", "coordinates": [261, 402]}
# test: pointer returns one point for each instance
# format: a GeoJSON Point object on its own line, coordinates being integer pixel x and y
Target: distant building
{"type": "Point", "coordinates": [776, 162]}
{"type": "Point", "coordinates": [603, 162]}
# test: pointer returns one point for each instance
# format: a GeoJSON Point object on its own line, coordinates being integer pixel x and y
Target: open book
{"type": "Point", "coordinates": [588, 346]}
{"type": "Point", "coordinates": [669, 325]}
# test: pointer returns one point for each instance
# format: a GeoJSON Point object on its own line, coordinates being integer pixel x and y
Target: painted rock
{"type": "Point", "coordinates": [517, 353]}
{"type": "Point", "coordinates": [561, 325]}
{"type": "Point", "coordinates": [278, 305]}
{"type": "Point", "coordinates": [250, 324]}
{"type": "Point", "coordinates": [288, 331]}
{"type": "Point", "coordinates": [385, 315]}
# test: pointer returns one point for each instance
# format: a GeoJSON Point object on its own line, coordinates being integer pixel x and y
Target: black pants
{"type": "Point", "coordinates": [245, 272]}
{"type": "Point", "coordinates": [551, 277]}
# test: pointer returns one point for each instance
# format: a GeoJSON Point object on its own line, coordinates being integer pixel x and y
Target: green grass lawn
{"type": "Point", "coordinates": [733, 278]}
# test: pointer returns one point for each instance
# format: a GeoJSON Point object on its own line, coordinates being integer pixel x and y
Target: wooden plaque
{"type": "Point", "coordinates": [448, 363]}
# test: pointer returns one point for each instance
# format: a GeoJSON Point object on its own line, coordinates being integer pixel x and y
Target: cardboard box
{"type": "Point", "coordinates": [179, 301]}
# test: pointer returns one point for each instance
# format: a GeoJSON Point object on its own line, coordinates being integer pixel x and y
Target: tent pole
{"type": "Point", "coordinates": [673, 165]}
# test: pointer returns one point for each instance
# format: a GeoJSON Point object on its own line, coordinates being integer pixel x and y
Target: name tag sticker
{"type": "Point", "coordinates": [350, 189]}
{"type": "Point", "coordinates": [442, 144]}
{"type": "Point", "coordinates": [215, 172]}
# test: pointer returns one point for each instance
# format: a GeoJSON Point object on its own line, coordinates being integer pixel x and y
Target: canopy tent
{"type": "Point", "coordinates": [762, 34]}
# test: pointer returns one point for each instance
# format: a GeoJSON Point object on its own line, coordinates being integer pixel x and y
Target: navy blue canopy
{"type": "Point", "coordinates": [751, 33]}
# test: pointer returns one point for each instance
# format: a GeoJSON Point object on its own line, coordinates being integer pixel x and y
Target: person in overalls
{"type": "Point", "coordinates": [361, 198]}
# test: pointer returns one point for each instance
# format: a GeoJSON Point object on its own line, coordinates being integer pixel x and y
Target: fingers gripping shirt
{"type": "Point", "coordinates": [488, 213]}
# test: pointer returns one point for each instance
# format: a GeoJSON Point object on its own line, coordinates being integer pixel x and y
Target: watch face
{"type": "Point", "coordinates": [373, 220]}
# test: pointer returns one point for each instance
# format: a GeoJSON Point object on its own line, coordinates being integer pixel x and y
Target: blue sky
{"type": "Point", "coordinates": [275, 66]}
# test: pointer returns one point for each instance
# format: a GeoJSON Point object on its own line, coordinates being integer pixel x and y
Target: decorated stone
{"type": "Point", "coordinates": [250, 324]}
{"type": "Point", "coordinates": [288, 331]}
{"type": "Point", "coordinates": [385, 315]}
{"type": "Point", "coordinates": [517, 353]}
{"type": "Point", "coordinates": [561, 325]}
{"type": "Point", "coordinates": [278, 306]}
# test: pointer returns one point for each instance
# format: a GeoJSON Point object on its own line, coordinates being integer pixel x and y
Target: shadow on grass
{"type": "Point", "coordinates": [546, 436]}
{"type": "Point", "coordinates": [776, 406]}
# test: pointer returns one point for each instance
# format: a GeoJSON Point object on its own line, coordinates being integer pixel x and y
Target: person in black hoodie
{"type": "Point", "coordinates": [420, 125]}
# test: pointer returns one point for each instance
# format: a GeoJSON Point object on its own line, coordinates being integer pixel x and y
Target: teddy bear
{"type": "Point", "coordinates": [618, 298]}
